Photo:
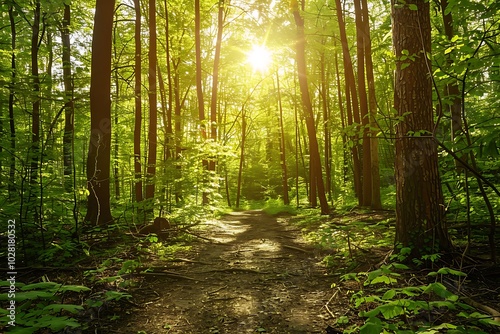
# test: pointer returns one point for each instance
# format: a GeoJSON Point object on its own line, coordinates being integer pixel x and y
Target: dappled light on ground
{"type": "Point", "coordinates": [251, 273]}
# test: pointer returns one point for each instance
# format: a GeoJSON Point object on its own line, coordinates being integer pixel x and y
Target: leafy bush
{"type": "Point", "coordinates": [390, 306]}
{"type": "Point", "coordinates": [39, 306]}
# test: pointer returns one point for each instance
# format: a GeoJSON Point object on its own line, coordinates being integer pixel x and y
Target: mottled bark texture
{"type": "Point", "coordinates": [419, 199]}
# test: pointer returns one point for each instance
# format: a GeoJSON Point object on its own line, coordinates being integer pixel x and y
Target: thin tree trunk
{"type": "Point", "coordinates": [326, 126]}
{"type": "Point", "coordinates": [363, 104]}
{"type": "Point", "coordinates": [215, 79]}
{"type": "Point", "coordinates": [153, 112]}
{"type": "Point", "coordinates": [376, 202]}
{"type": "Point", "coordinates": [98, 161]}
{"type": "Point", "coordinates": [69, 107]}
{"type": "Point", "coordinates": [315, 160]}
{"type": "Point", "coordinates": [242, 155]}
{"type": "Point", "coordinates": [286, 199]}
{"type": "Point", "coordinates": [342, 117]}
{"type": "Point", "coordinates": [170, 101]}
{"type": "Point", "coordinates": [179, 198]}
{"type": "Point", "coordinates": [352, 102]}
{"type": "Point", "coordinates": [138, 103]}
{"type": "Point", "coordinates": [199, 88]}
{"type": "Point", "coordinates": [452, 91]}
{"type": "Point", "coordinates": [116, 79]}
{"type": "Point", "coordinates": [35, 116]}
{"type": "Point", "coordinates": [12, 125]}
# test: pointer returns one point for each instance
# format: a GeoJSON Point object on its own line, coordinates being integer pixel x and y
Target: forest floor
{"type": "Point", "coordinates": [249, 272]}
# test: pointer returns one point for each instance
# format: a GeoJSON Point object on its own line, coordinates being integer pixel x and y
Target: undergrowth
{"type": "Point", "coordinates": [391, 294]}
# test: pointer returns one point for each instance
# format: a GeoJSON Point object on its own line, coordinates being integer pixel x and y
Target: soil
{"type": "Point", "coordinates": [248, 273]}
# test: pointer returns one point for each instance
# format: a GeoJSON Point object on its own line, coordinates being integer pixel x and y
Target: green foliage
{"type": "Point", "coordinates": [276, 206]}
{"type": "Point", "coordinates": [389, 304]}
{"type": "Point", "coordinates": [39, 306]}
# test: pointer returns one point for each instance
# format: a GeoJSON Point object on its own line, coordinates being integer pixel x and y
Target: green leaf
{"type": "Point", "coordinates": [400, 266]}
{"type": "Point", "coordinates": [404, 65]}
{"type": "Point", "coordinates": [74, 288]}
{"type": "Point", "coordinates": [63, 307]}
{"type": "Point", "coordinates": [389, 294]}
{"type": "Point", "coordinates": [372, 326]}
{"type": "Point", "coordinates": [440, 290]}
{"type": "Point", "coordinates": [383, 279]}
{"type": "Point", "coordinates": [412, 6]}
{"type": "Point", "coordinates": [41, 285]}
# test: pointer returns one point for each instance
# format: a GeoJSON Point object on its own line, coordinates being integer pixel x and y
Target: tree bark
{"type": "Point", "coordinates": [153, 112]}
{"type": "Point", "coordinates": [138, 102]}
{"type": "Point", "coordinates": [286, 198]}
{"type": "Point", "coordinates": [12, 124]}
{"type": "Point", "coordinates": [199, 87]}
{"type": "Point", "coordinates": [376, 202]}
{"type": "Point", "coordinates": [69, 107]}
{"type": "Point", "coordinates": [419, 199]}
{"type": "Point", "coordinates": [315, 160]}
{"type": "Point", "coordinates": [352, 104]}
{"type": "Point", "coordinates": [215, 79]}
{"type": "Point", "coordinates": [170, 103]}
{"type": "Point", "coordinates": [363, 105]}
{"type": "Point", "coordinates": [35, 115]}
{"type": "Point", "coordinates": [98, 160]}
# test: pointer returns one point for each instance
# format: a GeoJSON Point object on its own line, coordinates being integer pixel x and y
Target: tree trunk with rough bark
{"type": "Point", "coordinates": [419, 199]}
{"type": "Point", "coordinates": [98, 160]}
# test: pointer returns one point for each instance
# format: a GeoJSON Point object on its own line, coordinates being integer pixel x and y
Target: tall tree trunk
{"type": "Point", "coordinates": [98, 160]}
{"type": "Point", "coordinates": [12, 85]}
{"type": "Point", "coordinates": [452, 91]}
{"type": "Point", "coordinates": [326, 125]}
{"type": "Point", "coordinates": [138, 103]}
{"type": "Point", "coordinates": [352, 102]}
{"type": "Point", "coordinates": [199, 87]}
{"type": "Point", "coordinates": [215, 79]}
{"type": "Point", "coordinates": [170, 101]}
{"type": "Point", "coordinates": [35, 115]}
{"type": "Point", "coordinates": [242, 155]}
{"type": "Point", "coordinates": [69, 107]}
{"type": "Point", "coordinates": [376, 202]}
{"type": "Point", "coordinates": [342, 117]}
{"type": "Point", "coordinates": [363, 104]}
{"type": "Point", "coordinates": [419, 198]}
{"type": "Point", "coordinates": [153, 113]}
{"type": "Point", "coordinates": [315, 159]}
{"type": "Point", "coordinates": [179, 198]}
{"type": "Point", "coordinates": [286, 199]}
{"type": "Point", "coordinates": [116, 98]}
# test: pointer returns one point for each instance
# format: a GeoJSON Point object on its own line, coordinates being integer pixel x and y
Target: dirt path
{"type": "Point", "coordinates": [257, 275]}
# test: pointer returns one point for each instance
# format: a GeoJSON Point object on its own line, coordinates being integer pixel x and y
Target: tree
{"type": "Point", "coordinates": [315, 160]}
{"type": "Point", "coordinates": [372, 107]}
{"type": "Point", "coordinates": [35, 115]}
{"type": "Point", "coordinates": [98, 159]}
{"type": "Point", "coordinates": [199, 84]}
{"type": "Point", "coordinates": [12, 127]}
{"type": "Point", "coordinates": [352, 106]}
{"type": "Point", "coordinates": [419, 198]}
{"type": "Point", "coordinates": [138, 102]}
{"type": "Point", "coordinates": [286, 199]}
{"type": "Point", "coordinates": [69, 105]}
{"type": "Point", "coordinates": [152, 94]}
{"type": "Point", "coordinates": [363, 105]}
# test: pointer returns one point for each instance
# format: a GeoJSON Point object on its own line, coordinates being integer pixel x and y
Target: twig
{"type": "Point", "coordinates": [297, 249]}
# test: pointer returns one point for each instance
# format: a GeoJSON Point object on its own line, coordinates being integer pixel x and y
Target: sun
{"type": "Point", "coordinates": [260, 58]}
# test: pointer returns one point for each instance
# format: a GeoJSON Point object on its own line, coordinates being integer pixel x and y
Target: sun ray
{"type": "Point", "coordinates": [260, 58]}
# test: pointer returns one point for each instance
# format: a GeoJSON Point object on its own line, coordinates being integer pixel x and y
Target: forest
{"type": "Point", "coordinates": [260, 166]}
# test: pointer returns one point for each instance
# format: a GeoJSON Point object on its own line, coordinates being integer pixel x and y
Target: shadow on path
{"type": "Point", "coordinates": [256, 276]}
